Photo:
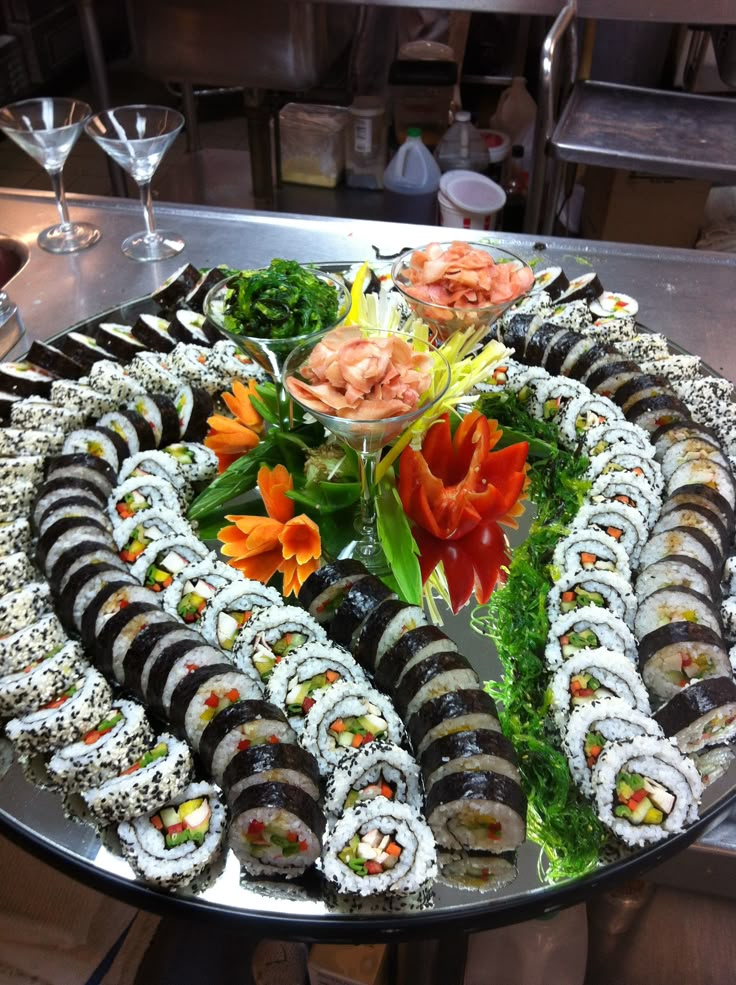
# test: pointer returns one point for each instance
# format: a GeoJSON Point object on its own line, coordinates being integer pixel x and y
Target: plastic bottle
{"type": "Point", "coordinates": [410, 183]}
{"type": "Point", "coordinates": [515, 112]}
{"type": "Point", "coordinates": [462, 147]}
{"type": "Point", "coordinates": [516, 189]}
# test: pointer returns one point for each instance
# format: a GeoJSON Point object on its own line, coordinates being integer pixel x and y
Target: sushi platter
{"type": "Point", "coordinates": [515, 868]}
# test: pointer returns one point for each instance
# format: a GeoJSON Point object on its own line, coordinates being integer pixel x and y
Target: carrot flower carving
{"type": "Point", "coordinates": [232, 437]}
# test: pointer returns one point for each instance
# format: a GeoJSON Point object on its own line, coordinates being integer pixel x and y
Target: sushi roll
{"type": "Point", "coordinates": [246, 725]}
{"type": "Point", "coordinates": [614, 304]}
{"type": "Point", "coordinates": [178, 842]}
{"type": "Point", "coordinates": [89, 468]}
{"type": "Point", "coordinates": [677, 569]}
{"type": "Point", "coordinates": [189, 363]}
{"type": "Point", "coordinates": [102, 442]}
{"type": "Point", "coordinates": [194, 586]}
{"type": "Point", "coordinates": [84, 591]}
{"type": "Point", "coordinates": [705, 471]}
{"type": "Point", "coordinates": [159, 563]}
{"type": "Point", "coordinates": [198, 462]}
{"type": "Point", "coordinates": [81, 555]}
{"type": "Point", "coordinates": [228, 362]}
{"type": "Point", "coordinates": [15, 570]}
{"type": "Point", "coordinates": [78, 396]}
{"type": "Point", "coordinates": [590, 550]}
{"type": "Point", "coordinates": [622, 459]}
{"type": "Point", "coordinates": [669, 781]}
{"type": "Point", "coordinates": [118, 340]}
{"type": "Point", "coordinates": [73, 507]}
{"type": "Point", "coordinates": [651, 412]}
{"type": "Point", "coordinates": [479, 811]}
{"type": "Point", "coordinates": [160, 412]}
{"type": "Point", "coordinates": [274, 633]}
{"type": "Point", "coordinates": [552, 398]}
{"type": "Point", "coordinates": [525, 384]}
{"type": "Point", "coordinates": [345, 717]}
{"type": "Point", "coordinates": [688, 449]}
{"type": "Point", "coordinates": [432, 677]}
{"type": "Point", "coordinates": [64, 533]}
{"type": "Point", "coordinates": [587, 628]}
{"type": "Point", "coordinates": [118, 634]}
{"type": "Point", "coordinates": [629, 490]}
{"type": "Point", "coordinates": [593, 674]}
{"type": "Point", "coordinates": [474, 751]}
{"type": "Point", "coordinates": [119, 736]}
{"type": "Point", "coordinates": [228, 613]}
{"type": "Point", "coordinates": [674, 604]}
{"type": "Point", "coordinates": [202, 694]}
{"type": "Point", "coordinates": [175, 288]}
{"type": "Point", "coordinates": [605, 589]}
{"type": "Point", "coordinates": [453, 712]}
{"type": "Point", "coordinates": [22, 647]}
{"type": "Point", "coordinates": [379, 846]}
{"type": "Point", "coordinates": [83, 349]}
{"type": "Point", "coordinates": [132, 428]}
{"type": "Point", "coordinates": [133, 535]}
{"type": "Point", "coordinates": [24, 606]}
{"type": "Point", "coordinates": [188, 328]}
{"type": "Point", "coordinates": [379, 769]}
{"type": "Point", "coordinates": [153, 332]}
{"type": "Point", "coordinates": [620, 521]}
{"type": "Point", "coordinates": [552, 280]}
{"type": "Point", "coordinates": [591, 726]}
{"type": "Point", "coordinates": [16, 498]}
{"type": "Point", "coordinates": [155, 373]}
{"type": "Point", "coordinates": [271, 762]}
{"type": "Point", "coordinates": [410, 648]}
{"type": "Point", "coordinates": [25, 379]}
{"type": "Point", "coordinates": [15, 535]}
{"type": "Point", "coordinates": [585, 413]}
{"type": "Point", "coordinates": [687, 541]}
{"type": "Point", "coordinates": [324, 590]}
{"type": "Point", "coordinates": [604, 437]}
{"type": "Point", "coordinates": [107, 376]}
{"type": "Point", "coordinates": [69, 714]}
{"type": "Point", "coordinates": [196, 297]}
{"type": "Point", "coordinates": [482, 872]}
{"type": "Point", "coordinates": [162, 647]}
{"type": "Point", "coordinates": [357, 604]}
{"type": "Point", "coordinates": [671, 434]}
{"type": "Point", "coordinates": [103, 598]}
{"type": "Point", "coordinates": [33, 442]}
{"type": "Point", "coordinates": [538, 338]}
{"type": "Point", "coordinates": [703, 495]}
{"type": "Point", "coordinates": [174, 666]}
{"type": "Point", "coordinates": [701, 714]}
{"type": "Point", "coordinates": [193, 407]}
{"type": "Point", "coordinates": [159, 464]}
{"type": "Point", "coordinates": [680, 652]}
{"type": "Point", "coordinates": [36, 413]}
{"type": "Point", "coordinates": [48, 675]}
{"type": "Point", "coordinates": [558, 350]}
{"type": "Point", "coordinates": [586, 287]}
{"type": "Point", "coordinates": [144, 785]}
{"type": "Point", "coordinates": [276, 829]}
{"type": "Point", "coordinates": [53, 361]}
{"type": "Point", "coordinates": [141, 493]}
{"type": "Point", "coordinates": [383, 628]}
{"type": "Point", "coordinates": [297, 678]}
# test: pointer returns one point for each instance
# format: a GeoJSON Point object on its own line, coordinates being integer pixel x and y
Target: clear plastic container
{"type": "Point", "coordinates": [516, 111]}
{"type": "Point", "coordinates": [462, 146]}
{"type": "Point", "coordinates": [312, 144]}
{"type": "Point", "coordinates": [365, 143]}
{"type": "Point", "coordinates": [410, 183]}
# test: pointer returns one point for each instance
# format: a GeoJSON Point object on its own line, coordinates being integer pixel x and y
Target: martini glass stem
{"type": "Point", "coordinates": [144, 187]}
{"type": "Point", "coordinates": [368, 548]}
{"type": "Point", "coordinates": [57, 184]}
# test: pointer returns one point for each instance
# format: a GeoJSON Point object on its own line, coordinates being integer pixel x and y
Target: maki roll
{"type": "Point", "coordinates": [628, 490]}
{"type": "Point", "coordinates": [586, 287]}
{"type": "Point", "coordinates": [15, 570]}
{"type": "Point", "coordinates": [456, 711]}
{"type": "Point", "coordinates": [553, 397]}
{"type": "Point", "coordinates": [174, 663]}
{"type": "Point", "coordinates": [276, 829]}
{"type": "Point", "coordinates": [202, 694]}
{"type": "Point", "coordinates": [101, 442]}
{"type": "Point", "coordinates": [132, 428]}
{"type": "Point", "coordinates": [83, 348]}
{"type": "Point", "coordinates": [247, 724]}
{"type": "Point", "coordinates": [80, 397]}
{"type": "Point", "coordinates": [645, 789]}
{"type": "Point", "coordinates": [229, 611]}
{"type": "Point", "coordinates": [379, 846]}
{"type": "Point", "coordinates": [48, 675]}
{"type": "Point", "coordinates": [676, 569]}
{"type": "Point", "coordinates": [195, 585]}
{"type": "Point", "coordinates": [35, 412]}
{"type": "Point", "coordinates": [175, 288]}
{"type": "Point", "coordinates": [55, 362]}
{"type": "Point", "coordinates": [22, 647]}
{"type": "Point", "coordinates": [380, 769]}
{"type": "Point", "coordinates": [118, 340]}
{"type": "Point", "coordinates": [296, 679]}
{"type": "Point", "coordinates": [119, 736]}
{"type": "Point", "coordinates": [481, 811]}
{"type": "Point", "coordinates": [552, 280]}
{"type": "Point", "coordinates": [73, 506]}
{"type": "Point", "coordinates": [587, 629]}
{"type": "Point", "coordinates": [591, 726]}
{"type": "Point", "coordinates": [118, 634]}
{"type": "Point", "coordinates": [132, 536]}
{"type": "Point", "coordinates": [357, 604]}
{"type": "Point", "coordinates": [432, 677]}
{"type": "Point", "coordinates": [84, 591]}
{"type": "Point", "coordinates": [620, 521]}
{"type": "Point", "coordinates": [473, 751]}
{"type": "Point", "coordinates": [594, 674]}
{"type": "Point", "coordinates": [163, 559]}
{"type": "Point", "coordinates": [34, 442]}
{"type": "Point", "coordinates": [110, 377]}
{"type": "Point", "coordinates": [176, 843]}
{"type": "Point", "coordinates": [686, 541]}
{"type": "Point", "coordinates": [62, 535]}
{"type": "Point", "coordinates": [410, 648]}
{"type": "Point", "coordinates": [701, 714]}
{"type": "Point", "coordinates": [345, 717]}
{"type": "Point", "coordinates": [324, 590]}
{"type": "Point", "coordinates": [707, 472]}
{"type": "Point", "coordinates": [604, 437]}
{"type": "Point", "coordinates": [160, 412]}
{"type": "Point", "coordinates": [25, 379]}
{"type": "Point", "coordinates": [144, 784]}
{"type": "Point", "coordinates": [81, 555]}
{"type": "Point", "coordinates": [70, 713]}
{"type": "Point", "coordinates": [480, 871]}
{"type": "Point", "coordinates": [584, 413]}
{"type": "Point", "coordinates": [189, 362]}
{"type": "Point", "coordinates": [153, 332]}
{"type": "Point", "coordinates": [688, 449]}
{"type": "Point", "coordinates": [159, 464]}
{"type": "Point", "coordinates": [383, 628]}
{"type": "Point", "coordinates": [141, 493]}
{"type": "Point", "coordinates": [604, 589]}
{"type": "Point", "coordinates": [271, 762]}
{"type": "Point", "coordinates": [620, 459]}
{"type": "Point", "coordinates": [675, 604]}
{"type": "Point", "coordinates": [272, 634]}
{"type": "Point", "coordinates": [15, 535]}
{"type": "Point", "coordinates": [198, 462]}
{"type": "Point", "coordinates": [193, 407]}
{"type": "Point", "coordinates": [24, 606]}
{"type": "Point", "coordinates": [590, 550]}
{"type": "Point", "coordinates": [155, 373]}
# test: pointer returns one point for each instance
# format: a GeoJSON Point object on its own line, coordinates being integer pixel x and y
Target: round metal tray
{"type": "Point", "coordinates": [35, 818]}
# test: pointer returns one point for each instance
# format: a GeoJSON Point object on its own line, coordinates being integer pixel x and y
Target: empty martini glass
{"type": "Point", "coordinates": [137, 137]}
{"type": "Point", "coordinates": [47, 129]}
{"type": "Point", "coordinates": [365, 435]}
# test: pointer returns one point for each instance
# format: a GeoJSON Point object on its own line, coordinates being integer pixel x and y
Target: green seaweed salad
{"type": "Point", "coordinates": [280, 301]}
{"type": "Point", "coordinates": [559, 819]}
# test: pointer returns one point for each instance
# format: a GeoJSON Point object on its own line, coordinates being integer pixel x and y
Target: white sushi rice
{"type": "Point", "coordinates": [611, 631]}
{"type": "Point", "coordinates": [159, 464]}
{"type": "Point", "coordinates": [610, 555]}
{"type": "Point", "coordinates": [175, 552]}
{"type": "Point", "coordinates": [416, 865]}
{"type": "Point", "coordinates": [144, 846]}
{"type": "Point", "coordinates": [15, 535]}
{"type": "Point", "coordinates": [208, 575]}
{"type": "Point", "coordinates": [40, 441]}
{"type": "Point", "coordinates": [27, 690]}
{"type": "Point", "coordinates": [248, 595]}
{"type": "Point", "coordinates": [618, 516]}
{"type": "Point", "coordinates": [22, 647]}
{"type": "Point", "coordinates": [23, 606]}
{"type": "Point", "coordinates": [197, 717]}
{"type": "Point", "coordinates": [615, 590]}
{"type": "Point", "coordinates": [623, 458]}
{"type": "Point", "coordinates": [264, 630]}
{"type": "Point", "coordinates": [159, 493]}
{"type": "Point", "coordinates": [659, 760]}
{"type": "Point", "coordinates": [15, 570]}
{"type": "Point", "coordinates": [617, 432]}
{"type": "Point", "coordinates": [614, 673]}
{"type": "Point", "coordinates": [640, 496]}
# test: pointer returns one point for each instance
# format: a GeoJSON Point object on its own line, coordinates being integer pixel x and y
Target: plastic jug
{"type": "Point", "coordinates": [515, 112]}
{"type": "Point", "coordinates": [410, 183]}
{"type": "Point", "coordinates": [462, 146]}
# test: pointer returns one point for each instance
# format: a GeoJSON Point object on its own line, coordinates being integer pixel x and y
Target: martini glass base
{"type": "Point", "coordinates": [370, 554]}
{"type": "Point", "coordinates": [146, 247]}
{"type": "Point", "coordinates": [69, 238]}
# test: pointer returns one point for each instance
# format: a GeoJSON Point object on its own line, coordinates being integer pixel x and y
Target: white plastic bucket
{"type": "Point", "coordinates": [469, 201]}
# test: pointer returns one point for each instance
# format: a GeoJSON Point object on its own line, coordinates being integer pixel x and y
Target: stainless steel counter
{"type": "Point", "coordinates": [684, 294]}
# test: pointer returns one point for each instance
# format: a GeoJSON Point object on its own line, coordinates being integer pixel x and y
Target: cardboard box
{"type": "Point", "coordinates": [348, 964]}
{"type": "Point", "coordinates": [630, 207]}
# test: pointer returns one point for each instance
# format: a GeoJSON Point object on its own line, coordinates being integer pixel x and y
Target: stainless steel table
{"type": "Point", "coordinates": [686, 295]}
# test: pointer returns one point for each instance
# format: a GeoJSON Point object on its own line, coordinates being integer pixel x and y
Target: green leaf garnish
{"type": "Point", "coordinates": [397, 541]}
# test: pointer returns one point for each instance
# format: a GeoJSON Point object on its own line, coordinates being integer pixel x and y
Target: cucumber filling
{"type": "Point", "coordinates": [299, 696]}
{"type": "Point", "coordinates": [267, 655]}
{"type": "Point", "coordinates": [371, 854]}
{"type": "Point", "coordinates": [102, 728]}
{"type": "Point", "coordinates": [642, 800]}
{"type": "Point", "coordinates": [189, 821]}
{"type": "Point", "coordinates": [358, 730]}
{"type": "Point", "coordinates": [573, 642]}
{"type": "Point", "coordinates": [593, 747]}
{"type": "Point", "coordinates": [159, 751]}
{"type": "Point", "coordinates": [577, 597]}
